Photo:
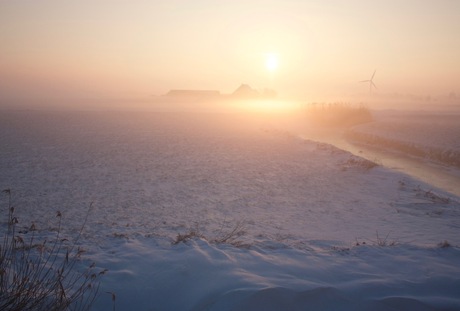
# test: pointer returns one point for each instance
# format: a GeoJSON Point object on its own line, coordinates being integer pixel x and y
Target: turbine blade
{"type": "Point", "coordinates": [365, 81]}
{"type": "Point", "coordinates": [373, 74]}
{"type": "Point", "coordinates": [373, 84]}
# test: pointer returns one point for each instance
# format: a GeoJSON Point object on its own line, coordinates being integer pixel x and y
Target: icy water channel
{"type": "Point", "coordinates": [440, 176]}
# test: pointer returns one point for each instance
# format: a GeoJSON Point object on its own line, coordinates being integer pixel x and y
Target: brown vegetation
{"type": "Point", "coordinates": [43, 275]}
{"type": "Point", "coordinates": [337, 114]}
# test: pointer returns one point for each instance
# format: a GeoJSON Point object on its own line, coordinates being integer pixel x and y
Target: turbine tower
{"type": "Point", "coordinates": [371, 82]}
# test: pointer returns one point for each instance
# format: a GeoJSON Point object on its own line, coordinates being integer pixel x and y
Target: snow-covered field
{"type": "Point", "coordinates": [314, 227]}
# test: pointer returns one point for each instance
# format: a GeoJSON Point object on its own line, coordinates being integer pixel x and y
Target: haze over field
{"type": "Point", "coordinates": [52, 51]}
{"type": "Point", "coordinates": [230, 155]}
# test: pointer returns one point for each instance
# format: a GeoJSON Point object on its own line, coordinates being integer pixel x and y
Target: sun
{"type": "Point", "coordinates": [271, 62]}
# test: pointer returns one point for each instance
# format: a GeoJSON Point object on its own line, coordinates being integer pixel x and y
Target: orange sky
{"type": "Point", "coordinates": [86, 48]}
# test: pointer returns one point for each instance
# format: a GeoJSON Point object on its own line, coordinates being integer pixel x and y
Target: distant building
{"type": "Point", "coordinates": [245, 91]}
{"type": "Point", "coordinates": [193, 93]}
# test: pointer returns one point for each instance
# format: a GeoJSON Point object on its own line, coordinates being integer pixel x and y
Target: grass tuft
{"type": "Point", "coordinates": [183, 238]}
{"type": "Point", "coordinates": [379, 241]}
{"type": "Point", "coordinates": [384, 241]}
{"type": "Point", "coordinates": [43, 275]}
{"type": "Point", "coordinates": [444, 244]}
{"type": "Point", "coordinates": [230, 237]}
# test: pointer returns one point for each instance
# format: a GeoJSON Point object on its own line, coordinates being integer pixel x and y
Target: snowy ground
{"type": "Point", "coordinates": [317, 228]}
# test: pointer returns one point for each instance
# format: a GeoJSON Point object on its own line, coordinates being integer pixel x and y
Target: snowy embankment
{"type": "Point", "coordinates": [268, 221]}
{"type": "Point", "coordinates": [433, 136]}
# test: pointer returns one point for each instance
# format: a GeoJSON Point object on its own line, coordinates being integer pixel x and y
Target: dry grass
{"type": "Point", "coordinates": [183, 238]}
{"type": "Point", "coordinates": [230, 236]}
{"type": "Point", "coordinates": [444, 244]}
{"type": "Point", "coordinates": [384, 241]}
{"type": "Point", "coordinates": [379, 241]}
{"type": "Point", "coordinates": [43, 275]}
{"type": "Point", "coordinates": [338, 114]}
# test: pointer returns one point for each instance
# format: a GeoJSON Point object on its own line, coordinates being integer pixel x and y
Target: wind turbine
{"type": "Point", "coordinates": [371, 82]}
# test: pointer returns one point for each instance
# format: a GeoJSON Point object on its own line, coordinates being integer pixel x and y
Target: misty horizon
{"type": "Point", "coordinates": [55, 51]}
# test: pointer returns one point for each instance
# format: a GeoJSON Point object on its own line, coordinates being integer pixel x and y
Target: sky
{"type": "Point", "coordinates": [53, 49]}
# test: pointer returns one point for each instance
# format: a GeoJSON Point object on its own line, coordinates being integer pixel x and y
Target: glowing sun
{"type": "Point", "coordinates": [271, 61]}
